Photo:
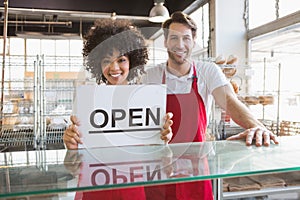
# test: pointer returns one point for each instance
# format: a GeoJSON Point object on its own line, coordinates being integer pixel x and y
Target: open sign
{"type": "Point", "coordinates": [120, 115]}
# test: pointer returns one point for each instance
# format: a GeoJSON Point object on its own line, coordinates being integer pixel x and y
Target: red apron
{"type": "Point", "coordinates": [136, 193]}
{"type": "Point", "coordinates": [132, 193]}
{"type": "Point", "coordinates": [189, 117]}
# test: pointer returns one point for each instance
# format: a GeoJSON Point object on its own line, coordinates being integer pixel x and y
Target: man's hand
{"type": "Point", "coordinates": [166, 132]}
{"type": "Point", "coordinates": [261, 135]}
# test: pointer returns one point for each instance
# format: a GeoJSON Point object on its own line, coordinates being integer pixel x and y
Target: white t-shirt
{"type": "Point", "coordinates": [209, 77]}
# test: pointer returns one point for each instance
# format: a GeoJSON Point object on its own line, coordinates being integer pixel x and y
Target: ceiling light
{"type": "Point", "coordinates": [113, 16]}
{"type": "Point", "coordinates": [159, 13]}
{"type": "Point", "coordinates": [47, 35]}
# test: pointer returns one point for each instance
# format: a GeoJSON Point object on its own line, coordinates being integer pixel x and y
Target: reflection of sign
{"type": "Point", "coordinates": [123, 165]}
{"type": "Point", "coordinates": [120, 115]}
{"type": "Point", "coordinates": [122, 172]}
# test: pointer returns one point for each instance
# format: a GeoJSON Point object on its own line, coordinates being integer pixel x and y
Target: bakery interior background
{"type": "Point", "coordinates": [267, 53]}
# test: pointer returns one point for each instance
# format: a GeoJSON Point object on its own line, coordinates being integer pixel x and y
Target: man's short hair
{"type": "Point", "coordinates": [182, 18]}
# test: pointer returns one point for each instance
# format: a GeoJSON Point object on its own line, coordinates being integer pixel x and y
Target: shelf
{"type": "Point", "coordinates": [262, 192]}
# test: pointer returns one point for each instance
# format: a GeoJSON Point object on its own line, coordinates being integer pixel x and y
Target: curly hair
{"type": "Point", "coordinates": [108, 35]}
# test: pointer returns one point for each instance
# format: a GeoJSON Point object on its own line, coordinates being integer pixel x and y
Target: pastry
{"type": "Point", "coordinates": [235, 86]}
{"type": "Point", "coordinates": [251, 100]}
{"type": "Point", "coordinates": [266, 99]}
{"type": "Point", "coordinates": [220, 60]}
{"type": "Point", "coordinates": [229, 71]}
{"type": "Point", "coordinates": [231, 59]}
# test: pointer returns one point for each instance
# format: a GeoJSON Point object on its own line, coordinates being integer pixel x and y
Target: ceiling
{"type": "Point", "coordinates": [74, 17]}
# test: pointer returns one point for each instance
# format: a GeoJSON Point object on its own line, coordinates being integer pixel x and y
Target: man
{"type": "Point", "coordinates": [177, 73]}
{"type": "Point", "coordinates": [191, 87]}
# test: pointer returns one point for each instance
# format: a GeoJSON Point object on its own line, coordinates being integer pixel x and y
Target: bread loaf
{"type": "Point", "coordinates": [251, 100]}
{"type": "Point", "coordinates": [220, 60]}
{"type": "Point", "coordinates": [231, 59]}
{"type": "Point", "coordinates": [266, 99]}
{"type": "Point", "coordinates": [229, 71]}
{"type": "Point", "coordinates": [235, 86]}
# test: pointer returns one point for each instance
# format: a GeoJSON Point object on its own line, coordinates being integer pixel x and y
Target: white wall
{"type": "Point", "coordinates": [229, 34]}
{"type": "Point", "coordinates": [230, 31]}
{"type": "Point", "coordinates": [158, 51]}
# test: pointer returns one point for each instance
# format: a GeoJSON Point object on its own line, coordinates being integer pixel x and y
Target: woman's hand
{"type": "Point", "coordinates": [71, 135]}
{"type": "Point", "coordinates": [166, 132]}
{"type": "Point", "coordinates": [72, 162]}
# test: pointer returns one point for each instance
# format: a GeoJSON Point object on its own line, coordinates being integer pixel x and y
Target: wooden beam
{"type": "Point", "coordinates": [278, 24]}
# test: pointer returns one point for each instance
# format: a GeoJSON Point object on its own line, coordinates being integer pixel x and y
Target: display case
{"type": "Point", "coordinates": [53, 172]}
{"type": "Point", "coordinates": [36, 99]}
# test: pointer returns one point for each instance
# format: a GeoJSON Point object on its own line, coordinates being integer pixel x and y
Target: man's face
{"type": "Point", "coordinates": [179, 43]}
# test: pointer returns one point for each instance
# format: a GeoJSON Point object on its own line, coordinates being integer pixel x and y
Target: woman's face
{"type": "Point", "coordinates": [115, 68]}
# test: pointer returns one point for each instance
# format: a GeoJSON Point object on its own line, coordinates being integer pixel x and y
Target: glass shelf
{"type": "Point", "coordinates": [57, 171]}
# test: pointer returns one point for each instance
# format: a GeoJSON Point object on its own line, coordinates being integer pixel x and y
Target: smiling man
{"type": "Point", "coordinates": [191, 86]}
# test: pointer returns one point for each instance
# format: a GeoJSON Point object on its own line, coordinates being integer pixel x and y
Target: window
{"type": "Point", "coordinates": [33, 47]}
{"type": "Point", "coordinates": [16, 46]}
{"type": "Point", "coordinates": [58, 56]}
{"type": "Point", "coordinates": [274, 58]}
{"type": "Point", "coordinates": [261, 12]}
{"type": "Point", "coordinates": [287, 7]}
{"type": "Point", "coordinates": [264, 11]}
{"type": "Point", "coordinates": [201, 17]}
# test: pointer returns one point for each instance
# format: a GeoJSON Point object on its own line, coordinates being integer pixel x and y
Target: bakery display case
{"type": "Point", "coordinates": [39, 101]}
{"type": "Point", "coordinates": [264, 97]}
{"type": "Point", "coordinates": [223, 125]}
{"type": "Point", "coordinates": [70, 171]}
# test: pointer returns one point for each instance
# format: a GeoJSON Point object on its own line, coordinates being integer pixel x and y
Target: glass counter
{"type": "Point", "coordinates": [59, 171]}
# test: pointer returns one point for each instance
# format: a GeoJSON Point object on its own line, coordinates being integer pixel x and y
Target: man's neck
{"type": "Point", "coordinates": [178, 69]}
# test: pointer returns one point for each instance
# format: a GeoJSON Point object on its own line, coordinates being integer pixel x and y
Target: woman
{"type": "Point", "coordinates": [115, 53]}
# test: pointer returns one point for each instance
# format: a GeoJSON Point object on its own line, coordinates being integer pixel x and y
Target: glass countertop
{"type": "Point", "coordinates": [55, 171]}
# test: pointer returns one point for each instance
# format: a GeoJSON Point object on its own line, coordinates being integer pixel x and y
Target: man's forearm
{"type": "Point", "coordinates": [240, 114]}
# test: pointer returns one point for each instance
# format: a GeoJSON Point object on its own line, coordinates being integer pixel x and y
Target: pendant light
{"type": "Point", "coordinates": [159, 13]}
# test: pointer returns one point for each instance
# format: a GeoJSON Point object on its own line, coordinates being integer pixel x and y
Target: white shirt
{"type": "Point", "coordinates": [209, 77]}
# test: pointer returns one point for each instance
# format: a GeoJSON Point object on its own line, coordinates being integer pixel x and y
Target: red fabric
{"type": "Point", "coordinates": [189, 116]}
{"type": "Point", "coordinates": [132, 193]}
{"type": "Point", "coordinates": [189, 125]}
{"type": "Point", "coordinates": [136, 193]}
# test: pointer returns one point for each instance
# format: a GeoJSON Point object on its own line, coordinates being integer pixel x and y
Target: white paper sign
{"type": "Point", "coordinates": [120, 115]}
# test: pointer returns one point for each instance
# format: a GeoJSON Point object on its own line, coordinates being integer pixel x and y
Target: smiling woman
{"type": "Point", "coordinates": [114, 49]}
{"type": "Point", "coordinates": [115, 54]}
